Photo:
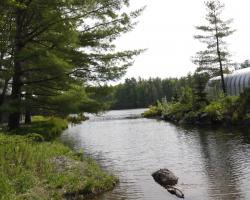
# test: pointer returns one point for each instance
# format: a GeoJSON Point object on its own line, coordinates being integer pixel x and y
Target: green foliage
{"type": "Point", "coordinates": [28, 171]}
{"type": "Point", "coordinates": [48, 128]}
{"type": "Point", "coordinates": [245, 64]}
{"type": "Point", "coordinates": [39, 118]}
{"type": "Point", "coordinates": [199, 94]}
{"type": "Point", "coordinates": [244, 105]}
{"type": "Point", "coordinates": [77, 119]}
{"type": "Point", "coordinates": [52, 51]}
{"type": "Point", "coordinates": [74, 101]}
{"type": "Point", "coordinates": [142, 93]}
{"type": "Point", "coordinates": [186, 96]}
{"type": "Point", "coordinates": [35, 137]}
{"type": "Point", "coordinates": [222, 109]}
{"type": "Point", "coordinates": [153, 111]}
{"type": "Point", "coordinates": [215, 110]}
{"type": "Point", "coordinates": [226, 109]}
{"type": "Point", "coordinates": [176, 111]}
{"type": "Point", "coordinates": [213, 59]}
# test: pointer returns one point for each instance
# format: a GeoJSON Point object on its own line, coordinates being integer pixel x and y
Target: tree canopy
{"type": "Point", "coordinates": [52, 49]}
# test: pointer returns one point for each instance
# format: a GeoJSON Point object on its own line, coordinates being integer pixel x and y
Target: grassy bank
{"type": "Point", "coordinates": [224, 110]}
{"type": "Point", "coordinates": [33, 166]}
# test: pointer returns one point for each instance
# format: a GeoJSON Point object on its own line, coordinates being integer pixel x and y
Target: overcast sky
{"type": "Point", "coordinates": [166, 29]}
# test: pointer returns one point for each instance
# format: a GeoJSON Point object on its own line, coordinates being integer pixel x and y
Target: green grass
{"type": "Point", "coordinates": [49, 127]}
{"type": "Point", "coordinates": [28, 170]}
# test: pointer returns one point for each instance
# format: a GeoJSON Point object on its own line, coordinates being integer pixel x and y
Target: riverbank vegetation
{"type": "Point", "coordinates": [35, 165]}
{"type": "Point", "coordinates": [52, 57]}
{"type": "Point", "coordinates": [227, 110]}
{"type": "Point", "coordinates": [194, 106]}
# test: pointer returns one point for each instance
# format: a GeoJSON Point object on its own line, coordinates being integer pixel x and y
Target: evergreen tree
{"type": "Point", "coordinates": [56, 44]}
{"type": "Point", "coordinates": [200, 96]}
{"type": "Point", "coordinates": [245, 64]}
{"type": "Point", "coordinates": [142, 93]}
{"type": "Point", "coordinates": [216, 56]}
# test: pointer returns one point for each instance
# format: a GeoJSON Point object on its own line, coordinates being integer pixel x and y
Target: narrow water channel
{"type": "Point", "coordinates": [211, 163]}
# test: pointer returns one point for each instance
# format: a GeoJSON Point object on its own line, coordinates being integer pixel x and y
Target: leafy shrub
{"type": "Point", "coordinates": [77, 119]}
{"type": "Point", "coordinates": [35, 137]}
{"type": "Point", "coordinates": [49, 128]}
{"type": "Point", "coordinates": [214, 110]}
{"type": "Point", "coordinates": [176, 111]}
{"type": "Point", "coordinates": [154, 111]}
{"type": "Point", "coordinates": [224, 108]}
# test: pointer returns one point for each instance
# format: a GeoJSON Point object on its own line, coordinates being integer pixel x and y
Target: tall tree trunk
{"type": "Point", "coordinates": [2, 96]}
{"type": "Point", "coordinates": [221, 69]}
{"type": "Point", "coordinates": [219, 58]}
{"type": "Point", "coordinates": [14, 117]}
{"type": "Point", "coordinates": [27, 116]}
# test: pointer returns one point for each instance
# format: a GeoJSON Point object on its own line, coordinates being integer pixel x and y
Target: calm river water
{"type": "Point", "coordinates": [211, 163]}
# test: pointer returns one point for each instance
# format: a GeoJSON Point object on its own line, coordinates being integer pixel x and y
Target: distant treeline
{"type": "Point", "coordinates": [140, 93]}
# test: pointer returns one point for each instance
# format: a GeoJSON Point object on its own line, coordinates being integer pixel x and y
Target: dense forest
{"type": "Point", "coordinates": [140, 93]}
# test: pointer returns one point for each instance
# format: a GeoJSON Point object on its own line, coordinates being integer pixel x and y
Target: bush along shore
{"type": "Point", "coordinates": [34, 165]}
{"type": "Point", "coordinates": [223, 110]}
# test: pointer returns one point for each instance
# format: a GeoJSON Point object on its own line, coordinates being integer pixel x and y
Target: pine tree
{"type": "Point", "coordinates": [245, 64]}
{"type": "Point", "coordinates": [216, 55]}
{"type": "Point", "coordinates": [59, 43]}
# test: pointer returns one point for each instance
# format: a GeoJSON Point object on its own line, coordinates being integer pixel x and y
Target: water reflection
{"type": "Point", "coordinates": [225, 157]}
{"type": "Point", "coordinates": [210, 163]}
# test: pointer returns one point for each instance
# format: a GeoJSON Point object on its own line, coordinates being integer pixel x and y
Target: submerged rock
{"type": "Point", "coordinates": [165, 177]}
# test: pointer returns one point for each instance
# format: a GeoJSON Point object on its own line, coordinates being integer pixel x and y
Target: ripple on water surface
{"type": "Point", "coordinates": [211, 163]}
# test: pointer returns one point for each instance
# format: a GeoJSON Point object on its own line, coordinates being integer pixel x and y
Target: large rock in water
{"type": "Point", "coordinates": [165, 177]}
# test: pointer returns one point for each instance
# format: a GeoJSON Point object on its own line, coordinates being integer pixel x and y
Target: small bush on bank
{"type": "Point", "coordinates": [154, 111]}
{"type": "Point", "coordinates": [224, 108]}
{"type": "Point", "coordinates": [214, 110]}
{"type": "Point", "coordinates": [176, 111]}
{"type": "Point", "coordinates": [48, 127]}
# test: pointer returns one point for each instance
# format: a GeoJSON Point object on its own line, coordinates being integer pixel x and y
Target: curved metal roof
{"type": "Point", "coordinates": [235, 82]}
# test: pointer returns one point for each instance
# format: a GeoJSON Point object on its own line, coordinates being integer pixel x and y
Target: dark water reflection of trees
{"type": "Point", "coordinates": [223, 154]}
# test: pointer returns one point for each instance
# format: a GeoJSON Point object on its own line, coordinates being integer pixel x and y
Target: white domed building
{"type": "Point", "coordinates": [235, 83]}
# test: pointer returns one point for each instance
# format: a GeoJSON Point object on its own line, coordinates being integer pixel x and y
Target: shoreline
{"type": "Point", "coordinates": [200, 124]}
{"type": "Point", "coordinates": [35, 167]}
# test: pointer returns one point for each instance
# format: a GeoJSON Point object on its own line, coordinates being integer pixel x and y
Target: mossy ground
{"type": "Point", "coordinates": [28, 170]}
